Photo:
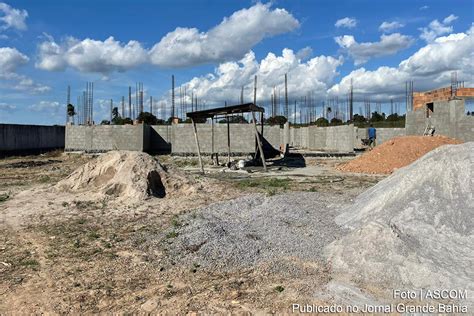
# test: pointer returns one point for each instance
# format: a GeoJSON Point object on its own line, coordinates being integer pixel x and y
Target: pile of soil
{"type": "Point", "coordinates": [413, 229]}
{"type": "Point", "coordinates": [127, 175]}
{"type": "Point", "coordinates": [395, 153]}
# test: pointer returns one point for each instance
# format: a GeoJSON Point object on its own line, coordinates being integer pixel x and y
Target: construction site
{"type": "Point", "coordinates": [218, 210]}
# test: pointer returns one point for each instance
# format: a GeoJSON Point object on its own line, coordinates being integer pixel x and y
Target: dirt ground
{"type": "Point", "coordinates": [64, 253]}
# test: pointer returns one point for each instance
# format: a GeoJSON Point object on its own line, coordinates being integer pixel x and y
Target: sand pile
{"type": "Point", "coordinates": [126, 175]}
{"type": "Point", "coordinates": [414, 229]}
{"type": "Point", "coordinates": [395, 153]}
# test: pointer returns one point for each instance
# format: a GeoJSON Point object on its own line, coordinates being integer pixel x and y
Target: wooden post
{"type": "Point", "coordinates": [197, 145]}
{"type": "Point", "coordinates": [212, 139]}
{"type": "Point", "coordinates": [228, 139]}
{"type": "Point", "coordinates": [262, 155]}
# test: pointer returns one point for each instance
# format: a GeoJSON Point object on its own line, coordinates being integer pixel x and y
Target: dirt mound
{"type": "Point", "coordinates": [126, 175]}
{"type": "Point", "coordinates": [395, 153]}
{"type": "Point", "coordinates": [414, 229]}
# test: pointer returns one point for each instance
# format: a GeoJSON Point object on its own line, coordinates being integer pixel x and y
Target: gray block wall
{"type": "Point", "coordinates": [100, 138]}
{"type": "Point", "coordinates": [242, 138]}
{"type": "Point", "coordinates": [448, 118]}
{"type": "Point", "coordinates": [18, 138]}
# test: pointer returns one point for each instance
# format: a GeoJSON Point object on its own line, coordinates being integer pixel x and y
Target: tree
{"type": "Point", "coordinates": [393, 117]}
{"type": "Point", "coordinates": [115, 112]}
{"type": "Point", "coordinates": [322, 121]}
{"type": "Point", "coordinates": [357, 118]}
{"type": "Point", "coordinates": [234, 119]}
{"type": "Point", "coordinates": [336, 121]}
{"type": "Point", "coordinates": [170, 120]}
{"type": "Point", "coordinates": [71, 110]}
{"type": "Point", "coordinates": [147, 118]}
{"type": "Point", "coordinates": [376, 117]}
{"type": "Point", "coordinates": [276, 120]}
{"type": "Point", "coordinates": [105, 122]}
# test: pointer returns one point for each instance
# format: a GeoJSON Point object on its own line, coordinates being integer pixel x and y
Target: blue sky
{"type": "Point", "coordinates": [47, 45]}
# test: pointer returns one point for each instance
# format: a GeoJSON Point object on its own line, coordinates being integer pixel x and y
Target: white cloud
{"type": "Point", "coordinates": [390, 26]}
{"type": "Point", "coordinates": [229, 40]}
{"type": "Point", "coordinates": [12, 18]}
{"type": "Point", "coordinates": [225, 84]}
{"type": "Point", "coordinates": [90, 55]}
{"type": "Point", "coordinates": [362, 52]}
{"type": "Point", "coordinates": [7, 107]}
{"type": "Point", "coordinates": [10, 60]}
{"type": "Point", "coordinates": [425, 7]}
{"type": "Point", "coordinates": [449, 19]}
{"type": "Point", "coordinates": [429, 67]}
{"type": "Point", "coordinates": [51, 107]}
{"type": "Point", "coordinates": [346, 22]}
{"type": "Point", "coordinates": [436, 28]}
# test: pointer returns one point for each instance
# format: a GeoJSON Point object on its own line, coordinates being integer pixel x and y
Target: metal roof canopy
{"type": "Point", "coordinates": [233, 109]}
{"type": "Point", "coordinates": [227, 110]}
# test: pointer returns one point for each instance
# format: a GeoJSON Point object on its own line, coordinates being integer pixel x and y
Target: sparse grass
{"type": "Point", "coordinates": [186, 162]}
{"type": "Point", "coordinates": [172, 234]}
{"type": "Point", "coordinates": [44, 179]}
{"type": "Point", "coordinates": [29, 263]}
{"type": "Point", "coordinates": [175, 222]}
{"type": "Point", "coordinates": [93, 235]}
{"type": "Point", "coordinates": [270, 185]}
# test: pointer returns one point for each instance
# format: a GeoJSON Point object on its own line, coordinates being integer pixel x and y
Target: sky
{"type": "Point", "coordinates": [214, 48]}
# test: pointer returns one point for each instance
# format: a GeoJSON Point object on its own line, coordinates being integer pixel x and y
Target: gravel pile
{"type": "Point", "coordinates": [395, 153]}
{"type": "Point", "coordinates": [414, 229]}
{"type": "Point", "coordinates": [255, 229]}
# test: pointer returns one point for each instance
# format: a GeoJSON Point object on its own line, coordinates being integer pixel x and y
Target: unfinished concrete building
{"type": "Point", "coordinates": [442, 112]}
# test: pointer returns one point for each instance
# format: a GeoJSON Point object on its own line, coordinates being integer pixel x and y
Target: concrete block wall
{"type": "Point", "coordinates": [101, 138]}
{"type": "Point", "coordinates": [242, 138]}
{"type": "Point", "coordinates": [448, 118]}
{"type": "Point", "coordinates": [384, 134]}
{"type": "Point", "coordinates": [340, 138]}
{"type": "Point", "coordinates": [18, 138]}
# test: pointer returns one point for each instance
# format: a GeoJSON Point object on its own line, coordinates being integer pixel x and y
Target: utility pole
{"type": "Point", "coordinates": [151, 104]}
{"type": "Point", "coordinates": [111, 110]}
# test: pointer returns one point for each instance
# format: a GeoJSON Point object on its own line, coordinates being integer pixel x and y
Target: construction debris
{"type": "Point", "coordinates": [126, 175]}
{"type": "Point", "coordinates": [414, 229]}
{"type": "Point", "coordinates": [395, 153]}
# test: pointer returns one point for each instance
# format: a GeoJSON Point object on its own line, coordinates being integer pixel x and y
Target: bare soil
{"type": "Point", "coordinates": [64, 252]}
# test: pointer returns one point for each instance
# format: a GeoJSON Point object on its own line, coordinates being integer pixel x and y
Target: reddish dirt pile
{"type": "Point", "coordinates": [395, 153]}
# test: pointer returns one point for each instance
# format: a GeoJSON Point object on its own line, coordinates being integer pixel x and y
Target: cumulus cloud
{"type": "Point", "coordinates": [12, 18]}
{"type": "Point", "coordinates": [225, 84]}
{"type": "Point", "coordinates": [437, 28]}
{"type": "Point", "coordinates": [390, 26]}
{"type": "Point", "coordinates": [362, 52]}
{"type": "Point", "coordinates": [346, 22]}
{"type": "Point", "coordinates": [90, 55]}
{"type": "Point", "coordinates": [429, 67]}
{"type": "Point", "coordinates": [51, 107]}
{"type": "Point", "coordinates": [229, 40]}
{"type": "Point", "coordinates": [10, 60]}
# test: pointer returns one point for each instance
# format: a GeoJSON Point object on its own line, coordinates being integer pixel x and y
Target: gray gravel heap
{"type": "Point", "coordinates": [414, 229]}
{"type": "Point", "coordinates": [255, 228]}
